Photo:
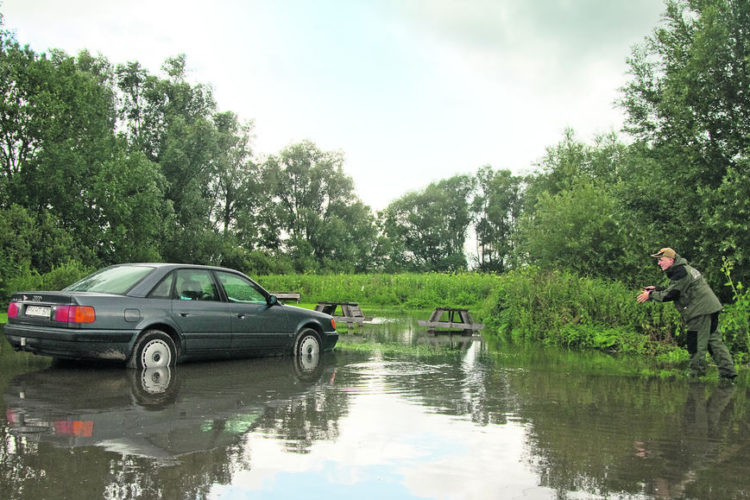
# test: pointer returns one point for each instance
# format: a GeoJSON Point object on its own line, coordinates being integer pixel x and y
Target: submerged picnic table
{"type": "Point", "coordinates": [351, 314]}
{"type": "Point", "coordinates": [465, 321]}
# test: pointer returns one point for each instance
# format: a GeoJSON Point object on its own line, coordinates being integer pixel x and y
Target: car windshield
{"type": "Point", "coordinates": [117, 280]}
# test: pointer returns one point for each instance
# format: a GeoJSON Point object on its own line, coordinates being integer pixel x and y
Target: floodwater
{"type": "Point", "coordinates": [403, 415]}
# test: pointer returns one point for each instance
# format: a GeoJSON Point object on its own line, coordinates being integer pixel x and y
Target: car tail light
{"type": "Point", "coordinates": [333, 323]}
{"type": "Point", "coordinates": [75, 314]}
{"type": "Point", "coordinates": [12, 310]}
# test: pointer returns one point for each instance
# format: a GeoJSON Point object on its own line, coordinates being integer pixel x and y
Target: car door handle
{"type": "Point", "coordinates": [241, 316]}
{"type": "Point", "coordinates": [184, 315]}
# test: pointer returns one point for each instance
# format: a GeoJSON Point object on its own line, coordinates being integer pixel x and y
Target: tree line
{"type": "Point", "coordinates": [105, 163]}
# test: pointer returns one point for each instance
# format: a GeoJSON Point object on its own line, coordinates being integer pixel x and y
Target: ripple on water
{"type": "Point", "coordinates": [391, 377]}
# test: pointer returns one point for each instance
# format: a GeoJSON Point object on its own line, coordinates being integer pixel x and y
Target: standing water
{"type": "Point", "coordinates": [393, 413]}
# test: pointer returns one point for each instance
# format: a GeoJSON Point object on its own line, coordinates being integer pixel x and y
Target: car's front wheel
{"type": "Point", "coordinates": [153, 349]}
{"type": "Point", "coordinates": [307, 344]}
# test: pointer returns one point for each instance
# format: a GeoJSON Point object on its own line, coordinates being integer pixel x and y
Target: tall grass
{"type": "Point", "coordinates": [562, 308]}
{"type": "Point", "coordinates": [408, 291]}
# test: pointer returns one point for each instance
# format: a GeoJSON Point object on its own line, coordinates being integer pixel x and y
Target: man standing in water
{"type": "Point", "coordinates": [699, 308]}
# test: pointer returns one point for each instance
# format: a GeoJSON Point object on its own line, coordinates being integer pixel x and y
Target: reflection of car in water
{"type": "Point", "coordinates": [160, 412]}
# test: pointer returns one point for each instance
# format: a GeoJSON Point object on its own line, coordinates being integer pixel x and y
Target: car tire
{"type": "Point", "coordinates": [153, 349]}
{"type": "Point", "coordinates": [307, 344]}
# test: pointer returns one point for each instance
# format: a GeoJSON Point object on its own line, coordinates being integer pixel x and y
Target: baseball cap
{"type": "Point", "coordinates": [665, 252]}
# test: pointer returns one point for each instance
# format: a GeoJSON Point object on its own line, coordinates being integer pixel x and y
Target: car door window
{"type": "Point", "coordinates": [196, 284]}
{"type": "Point", "coordinates": [239, 289]}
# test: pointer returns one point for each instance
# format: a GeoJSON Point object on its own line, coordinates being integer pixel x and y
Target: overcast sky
{"type": "Point", "coordinates": [410, 91]}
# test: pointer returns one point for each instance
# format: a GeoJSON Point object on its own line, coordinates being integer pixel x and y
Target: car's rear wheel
{"type": "Point", "coordinates": [154, 349]}
{"type": "Point", "coordinates": [308, 344]}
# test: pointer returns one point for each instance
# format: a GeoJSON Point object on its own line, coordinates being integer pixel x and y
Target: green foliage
{"type": "Point", "coordinates": [25, 279]}
{"type": "Point", "coordinates": [29, 245]}
{"type": "Point", "coordinates": [496, 207]}
{"type": "Point", "coordinates": [427, 229]}
{"type": "Point", "coordinates": [687, 105]}
{"type": "Point", "coordinates": [312, 213]}
{"type": "Point", "coordinates": [585, 210]}
{"type": "Point", "coordinates": [735, 320]}
{"type": "Point", "coordinates": [562, 308]}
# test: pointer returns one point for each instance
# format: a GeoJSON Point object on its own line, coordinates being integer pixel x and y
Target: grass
{"type": "Point", "coordinates": [406, 290]}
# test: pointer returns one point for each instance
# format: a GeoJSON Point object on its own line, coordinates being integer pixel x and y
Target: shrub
{"type": "Point", "coordinates": [562, 308]}
{"type": "Point", "coordinates": [25, 279]}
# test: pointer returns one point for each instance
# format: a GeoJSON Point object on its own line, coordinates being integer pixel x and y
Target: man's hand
{"type": "Point", "coordinates": [643, 297]}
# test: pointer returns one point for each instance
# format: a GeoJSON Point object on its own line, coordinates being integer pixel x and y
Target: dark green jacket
{"type": "Point", "coordinates": [691, 294]}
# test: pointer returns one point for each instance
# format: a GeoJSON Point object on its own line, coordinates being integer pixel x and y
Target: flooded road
{"type": "Point", "coordinates": [393, 413]}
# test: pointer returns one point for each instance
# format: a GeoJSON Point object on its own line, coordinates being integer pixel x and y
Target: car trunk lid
{"type": "Point", "coordinates": [39, 308]}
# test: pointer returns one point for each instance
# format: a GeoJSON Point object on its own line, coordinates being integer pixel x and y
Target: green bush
{"type": "Point", "coordinates": [561, 308]}
{"type": "Point", "coordinates": [25, 279]}
{"type": "Point", "coordinates": [735, 321]}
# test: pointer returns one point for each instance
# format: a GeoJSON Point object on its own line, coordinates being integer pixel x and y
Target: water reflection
{"type": "Point", "coordinates": [411, 416]}
{"type": "Point", "coordinates": [134, 428]}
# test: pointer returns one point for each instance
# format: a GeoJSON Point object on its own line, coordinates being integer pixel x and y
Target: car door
{"type": "Point", "coordinates": [256, 326]}
{"type": "Point", "coordinates": [198, 309]}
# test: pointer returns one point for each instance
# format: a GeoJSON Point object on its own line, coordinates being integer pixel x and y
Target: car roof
{"type": "Point", "coordinates": [172, 265]}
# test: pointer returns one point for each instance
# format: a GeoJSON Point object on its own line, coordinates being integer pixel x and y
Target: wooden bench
{"type": "Point", "coordinates": [288, 296]}
{"type": "Point", "coordinates": [465, 321]}
{"type": "Point", "coordinates": [351, 314]}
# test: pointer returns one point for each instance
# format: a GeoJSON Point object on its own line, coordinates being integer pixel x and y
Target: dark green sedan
{"type": "Point", "coordinates": [155, 315]}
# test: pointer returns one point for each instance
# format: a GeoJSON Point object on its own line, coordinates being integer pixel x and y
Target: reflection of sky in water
{"type": "Point", "coordinates": [391, 447]}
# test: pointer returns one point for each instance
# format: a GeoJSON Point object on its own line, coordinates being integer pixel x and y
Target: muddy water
{"type": "Point", "coordinates": [393, 413]}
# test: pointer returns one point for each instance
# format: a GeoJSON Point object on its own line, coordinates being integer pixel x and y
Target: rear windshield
{"type": "Point", "coordinates": [117, 280]}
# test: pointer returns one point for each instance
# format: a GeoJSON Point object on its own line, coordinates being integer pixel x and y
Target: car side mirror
{"type": "Point", "coordinates": [272, 300]}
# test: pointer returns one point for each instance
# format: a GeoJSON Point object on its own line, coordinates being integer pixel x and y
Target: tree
{"type": "Point", "coordinates": [313, 214]}
{"type": "Point", "coordinates": [577, 229]}
{"type": "Point", "coordinates": [236, 184]}
{"type": "Point", "coordinates": [496, 208]}
{"type": "Point", "coordinates": [688, 105]}
{"type": "Point", "coordinates": [19, 128]}
{"type": "Point", "coordinates": [427, 229]}
{"type": "Point", "coordinates": [174, 124]}
{"type": "Point", "coordinates": [689, 85]}
{"type": "Point", "coordinates": [132, 217]}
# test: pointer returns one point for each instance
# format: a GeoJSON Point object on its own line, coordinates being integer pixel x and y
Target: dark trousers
{"type": "Point", "coordinates": [704, 336]}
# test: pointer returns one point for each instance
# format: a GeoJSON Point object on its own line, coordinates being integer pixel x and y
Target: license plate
{"type": "Point", "coordinates": [38, 311]}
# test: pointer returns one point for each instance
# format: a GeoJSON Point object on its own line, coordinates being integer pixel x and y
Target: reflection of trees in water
{"type": "Point", "coordinates": [602, 435]}
{"type": "Point", "coordinates": [302, 420]}
{"type": "Point", "coordinates": [612, 435]}
{"type": "Point", "coordinates": [43, 470]}
{"type": "Point", "coordinates": [191, 477]}
{"type": "Point", "coordinates": [457, 380]}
